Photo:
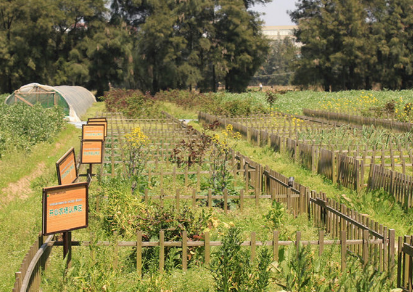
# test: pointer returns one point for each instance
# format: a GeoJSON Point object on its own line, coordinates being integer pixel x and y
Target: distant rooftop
{"type": "Point", "coordinates": [279, 32]}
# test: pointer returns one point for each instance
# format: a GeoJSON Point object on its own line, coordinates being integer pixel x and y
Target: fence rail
{"type": "Point", "coordinates": [368, 247]}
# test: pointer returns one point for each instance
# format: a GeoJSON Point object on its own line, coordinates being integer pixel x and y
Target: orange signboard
{"type": "Point", "coordinates": [99, 121]}
{"type": "Point", "coordinates": [66, 168]}
{"type": "Point", "coordinates": [92, 152]}
{"type": "Point", "coordinates": [65, 208]}
{"type": "Point", "coordinates": [93, 132]}
{"type": "Point", "coordinates": [103, 119]}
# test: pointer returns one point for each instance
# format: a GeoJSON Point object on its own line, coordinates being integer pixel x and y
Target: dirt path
{"type": "Point", "coordinates": [20, 189]}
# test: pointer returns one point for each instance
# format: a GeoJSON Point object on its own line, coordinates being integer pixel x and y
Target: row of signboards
{"type": "Point", "coordinates": [65, 207]}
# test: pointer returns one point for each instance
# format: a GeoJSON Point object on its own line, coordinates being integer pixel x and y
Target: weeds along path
{"type": "Point", "coordinates": [22, 177]}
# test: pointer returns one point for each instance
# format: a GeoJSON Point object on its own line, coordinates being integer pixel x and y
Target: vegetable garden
{"type": "Point", "coordinates": [175, 207]}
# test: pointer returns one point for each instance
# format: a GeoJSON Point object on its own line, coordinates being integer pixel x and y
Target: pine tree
{"type": "Point", "coordinates": [241, 45]}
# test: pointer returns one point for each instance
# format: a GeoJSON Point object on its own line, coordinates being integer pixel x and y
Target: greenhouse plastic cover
{"type": "Point", "coordinates": [78, 98]}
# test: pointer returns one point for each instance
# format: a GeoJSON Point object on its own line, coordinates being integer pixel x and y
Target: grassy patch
{"type": "Point", "coordinates": [95, 110]}
{"type": "Point", "coordinates": [21, 217]}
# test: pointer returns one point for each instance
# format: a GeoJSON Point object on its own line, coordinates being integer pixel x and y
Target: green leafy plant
{"type": "Point", "coordinates": [275, 215]}
{"type": "Point", "coordinates": [301, 270]}
{"type": "Point", "coordinates": [232, 269]}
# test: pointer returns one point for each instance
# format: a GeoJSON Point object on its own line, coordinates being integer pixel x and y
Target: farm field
{"type": "Point", "coordinates": [118, 227]}
{"type": "Point", "coordinates": [116, 205]}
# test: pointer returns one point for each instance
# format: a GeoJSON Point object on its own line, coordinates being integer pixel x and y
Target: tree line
{"type": "Point", "coordinates": [354, 44]}
{"type": "Point", "coordinates": [146, 44]}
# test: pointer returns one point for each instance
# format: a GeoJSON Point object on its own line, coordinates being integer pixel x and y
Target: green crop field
{"type": "Point", "coordinates": [119, 206]}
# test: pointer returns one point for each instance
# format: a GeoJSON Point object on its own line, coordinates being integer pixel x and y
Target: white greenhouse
{"type": "Point", "coordinates": [75, 100]}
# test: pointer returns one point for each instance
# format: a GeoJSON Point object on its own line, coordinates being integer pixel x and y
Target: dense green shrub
{"type": "Point", "coordinates": [222, 103]}
{"type": "Point", "coordinates": [184, 98]}
{"type": "Point", "coordinates": [125, 213]}
{"type": "Point", "coordinates": [22, 126]}
{"type": "Point", "coordinates": [132, 103]}
{"type": "Point", "coordinates": [230, 105]}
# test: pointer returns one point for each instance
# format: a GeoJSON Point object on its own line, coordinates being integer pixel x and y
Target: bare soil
{"type": "Point", "coordinates": [20, 189]}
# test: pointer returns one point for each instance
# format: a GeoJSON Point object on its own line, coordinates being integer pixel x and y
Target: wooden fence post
{"type": "Point", "coordinates": [186, 175]}
{"type": "Point", "coordinates": [275, 245]}
{"type": "Point", "coordinates": [198, 178]}
{"type": "Point", "coordinates": [184, 250]}
{"type": "Point", "coordinates": [116, 251]}
{"type": "Point", "coordinates": [333, 166]}
{"type": "Point", "coordinates": [225, 201]}
{"type": "Point", "coordinates": [257, 184]}
{"type": "Point", "coordinates": [399, 262]}
{"type": "Point", "coordinates": [365, 251]}
{"type": "Point", "coordinates": [177, 200]}
{"type": "Point", "coordinates": [406, 265]}
{"type": "Point", "coordinates": [289, 199]}
{"type": "Point", "coordinates": [193, 198]}
{"type": "Point", "coordinates": [320, 242]}
{"type": "Point", "coordinates": [343, 250]}
{"type": "Point", "coordinates": [253, 246]}
{"type": "Point", "coordinates": [391, 257]}
{"type": "Point", "coordinates": [241, 199]}
{"type": "Point", "coordinates": [161, 250]}
{"type": "Point", "coordinates": [297, 242]}
{"type": "Point", "coordinates": [207, 249]}
{"type": "Point", "coordinates": [139, 253]}
{"type": "Point", "coordinates": [146, 196]}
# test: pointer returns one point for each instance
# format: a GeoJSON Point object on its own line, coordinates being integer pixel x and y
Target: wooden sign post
{"type": "Point", "coordinates": [67, 172]}
{"type": "Point", "coordinates": [93, 132]}
{"type": "Point", "coordinates": [98, 121]}
{"type": "Point", "coordinates": [91, 153]}
{"type": "Point", "coordinates": [65, 208]}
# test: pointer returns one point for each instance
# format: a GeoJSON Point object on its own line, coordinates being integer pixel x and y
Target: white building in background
{"type": "Point", "coordinates": [278, 33]}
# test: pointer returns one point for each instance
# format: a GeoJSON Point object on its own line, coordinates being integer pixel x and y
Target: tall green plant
{"type": "Point", "coordinates": [232, 269]}
{"type": "Point", "coordinates": [136, 146]}
{"type": "Point", "coordinates": [301, 270]}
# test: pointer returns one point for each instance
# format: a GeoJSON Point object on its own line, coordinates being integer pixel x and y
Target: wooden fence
{"type": "Point", "coordinates": [360, 120]}
{"type": "Point", "coordinates": [29, 275]}
{"type": "Point", "coordinates": [348, 168]}
{"type": "Point", "coordinates": [395, 183]}
{"type": "Point", "coordinates": [405, 263]}
{"type": "Point", "coordinates": [371, 249]}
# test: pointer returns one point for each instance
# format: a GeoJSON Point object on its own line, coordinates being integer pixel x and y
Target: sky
{"type": "Point", "coordinates": [276, 12]}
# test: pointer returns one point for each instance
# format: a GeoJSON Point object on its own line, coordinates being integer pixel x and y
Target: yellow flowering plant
{"type": "Point", "coordinates": [220, 156]}
{"type": "Point", "coordinates": [137, 147]}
